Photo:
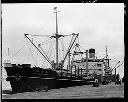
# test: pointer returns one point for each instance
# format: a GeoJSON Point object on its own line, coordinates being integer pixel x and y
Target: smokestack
{"type": "Point", "coordinates": [92, 53]}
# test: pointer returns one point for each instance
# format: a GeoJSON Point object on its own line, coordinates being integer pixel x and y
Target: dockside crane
{"type": "Point", "coordinates": [116, 76]}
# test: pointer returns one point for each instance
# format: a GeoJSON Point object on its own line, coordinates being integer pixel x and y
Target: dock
{"type": "Point", "coordinates": [77, 92]}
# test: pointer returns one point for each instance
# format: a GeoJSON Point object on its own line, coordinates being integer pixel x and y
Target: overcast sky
{"type": "Point", "coordinates": [98, 25]}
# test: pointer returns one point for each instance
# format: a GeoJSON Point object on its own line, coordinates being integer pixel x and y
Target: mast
{"type": "Point", "coordinates": [56, 36]}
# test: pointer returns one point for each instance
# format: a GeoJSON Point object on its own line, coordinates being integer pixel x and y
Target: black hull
{"type": "Point", "coordinates": [32, 79]}
{"type": "Point", "coordinates": [31, 84]}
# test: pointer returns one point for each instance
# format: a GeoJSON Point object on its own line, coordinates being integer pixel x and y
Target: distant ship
{"type": "Point", "coordinates": [25, 78]}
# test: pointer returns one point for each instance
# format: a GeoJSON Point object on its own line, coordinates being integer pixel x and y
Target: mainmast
{"type": "Point", "coordinates": [56, 36]}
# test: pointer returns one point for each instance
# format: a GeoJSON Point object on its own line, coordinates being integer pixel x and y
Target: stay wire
{"type": "Point", "coordinates": [45, 54]}
{"type": "Point", "coordinates": [13, 57]}
{"type": "Point", "coordinates": [63, 48]}
{"type": "Point", "coordinates": [42, 27]}
{"type": "Point", "coordinates": [45, 42]}
{"type": "Point", "coordinates": [50, 52]}
{"type": "Point", "coordinates": [31, 53]}
{"type": "Point", "coordinates": [80, 54]}
{"type": "Point", "coordinates": [44, 59]}
{"type": "Point", "coordinates": [17, 52]}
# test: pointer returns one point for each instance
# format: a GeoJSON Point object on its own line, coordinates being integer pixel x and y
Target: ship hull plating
{"type": "Point", "coordinates": [26, 79]}
{"type": "Point", "coordinates": [29, 84]}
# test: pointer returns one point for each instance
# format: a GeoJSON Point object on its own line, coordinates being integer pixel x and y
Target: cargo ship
{"type": "Point", "coordinates": [83, 71]}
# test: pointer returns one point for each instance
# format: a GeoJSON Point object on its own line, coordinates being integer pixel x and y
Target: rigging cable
{"type": "Point", "coordinates": [31, 53]}
{"type": "Point", "coordinates": [45, 42]}
{"type": "Point", "coordinates": [63, 48]}
{"type": "Point", "coordinates": [17, 52]}
{"type": "Point", "coordinates": [42, 27]}
{"type": "Point", "coordinates": [48, 51]}
{"type": "Point", "coordinates": [36, 53]}
{"type": "Point", "coordinates": [51, 51]}
{"type": "Point", "coordinates": [14, 56]}
{"type": "Point", "coordinates": [44, 53]}
{"type": "Point", "coordinates": [80, 54]}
